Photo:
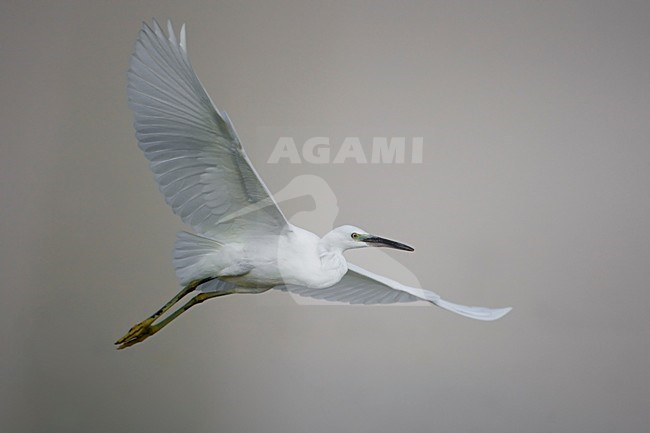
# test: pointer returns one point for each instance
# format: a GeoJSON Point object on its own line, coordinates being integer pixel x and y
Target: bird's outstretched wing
{"type": "Point", "coordinates": [193, 149]}
{"type": "Point", "coordinates": [359, 286]}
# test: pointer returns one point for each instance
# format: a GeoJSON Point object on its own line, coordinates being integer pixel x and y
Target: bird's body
{"type": "Point", "coordinates": [244, 243]}
{"type": "Point", "coordinates": [307, 260]}
{"type": "Point", "coordinates": [295, 256]}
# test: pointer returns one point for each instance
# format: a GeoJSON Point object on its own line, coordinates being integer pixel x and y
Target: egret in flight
{"type": "Point", "coordinates": [243, 242]}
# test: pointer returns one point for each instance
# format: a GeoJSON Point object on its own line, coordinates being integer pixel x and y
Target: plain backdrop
{"type": "Point", "coordinates": [533, 193]}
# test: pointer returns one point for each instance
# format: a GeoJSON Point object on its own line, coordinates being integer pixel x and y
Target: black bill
{"type": "Point", "coordinates": [376, 241]}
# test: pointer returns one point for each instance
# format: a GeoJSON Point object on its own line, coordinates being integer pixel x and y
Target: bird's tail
{"type": "Point", "coordinates": [478, 313]}
{"type": "Point", "coordinates": [196, 257]}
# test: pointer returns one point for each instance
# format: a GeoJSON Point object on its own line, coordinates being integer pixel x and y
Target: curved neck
{"type": "Point", "coordinates": [331, 257]}
{"type": "Point", "coordinates": [327, 246]}
{"type": "Point", "coordinates": [330, 252]}
{"type": "Point", "coordinates": [332, 263]}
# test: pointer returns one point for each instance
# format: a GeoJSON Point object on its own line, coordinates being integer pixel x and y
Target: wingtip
{"type": "Point", "coordinates": [157, 29]}
{"type": "Point", "coordinates": [500, 312]}
{"type": "Point", "coordinates": [170, 32]}
{"type": "Point", "coordinates": [477, 313]}
{"type": "Point", "coordinates": [183, 39]}
{"type": "Point", "coordinates": [491, 314]}
{"type": "Point", "coordinates": [146, 27]}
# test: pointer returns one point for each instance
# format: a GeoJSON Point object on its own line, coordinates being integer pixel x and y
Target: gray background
{"type": "Point", "coordinates": [533, 193]}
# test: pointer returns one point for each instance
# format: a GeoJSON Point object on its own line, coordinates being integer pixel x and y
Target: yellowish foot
{"type": "Point", "coordinates": [137, 333]}
{"type": "Point", "coordinates": [146, 328]}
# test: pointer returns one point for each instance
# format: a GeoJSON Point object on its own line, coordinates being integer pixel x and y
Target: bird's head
{"type": "Point", "coordinates": [348, 237]}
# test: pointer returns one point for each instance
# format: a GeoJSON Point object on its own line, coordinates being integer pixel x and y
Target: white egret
{"type": "Point", "coordinates": [244, 244]}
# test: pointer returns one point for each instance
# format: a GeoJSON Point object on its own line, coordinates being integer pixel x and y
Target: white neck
{"type": "Point", "coordinates": [331, 255]}
{"type": "Point", "coordinates": [327, 246]}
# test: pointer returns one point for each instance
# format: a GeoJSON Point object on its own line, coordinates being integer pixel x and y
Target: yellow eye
{"type": "Point", "coordinates": [355, 235]}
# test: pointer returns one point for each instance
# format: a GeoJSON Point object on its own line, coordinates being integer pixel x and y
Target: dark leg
{"type": "Point", "coordinates": [146, 328]}
{"type": "Point", "coordinates": [149, 330]}
{"type": "Point", "coordinates": [139, 328]}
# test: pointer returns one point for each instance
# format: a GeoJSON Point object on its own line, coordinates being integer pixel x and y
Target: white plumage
{"type": "Point", "coordinates": [244, 244]}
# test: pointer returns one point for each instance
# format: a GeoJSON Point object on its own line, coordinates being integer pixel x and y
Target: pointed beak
{"type": "Point", "coordinates": [376, 241]}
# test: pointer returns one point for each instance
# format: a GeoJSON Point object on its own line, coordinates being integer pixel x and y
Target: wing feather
{"type": "Point", "coordinates": [193, 149]}
{"type": "Point", "coordinates": [359, 286]}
